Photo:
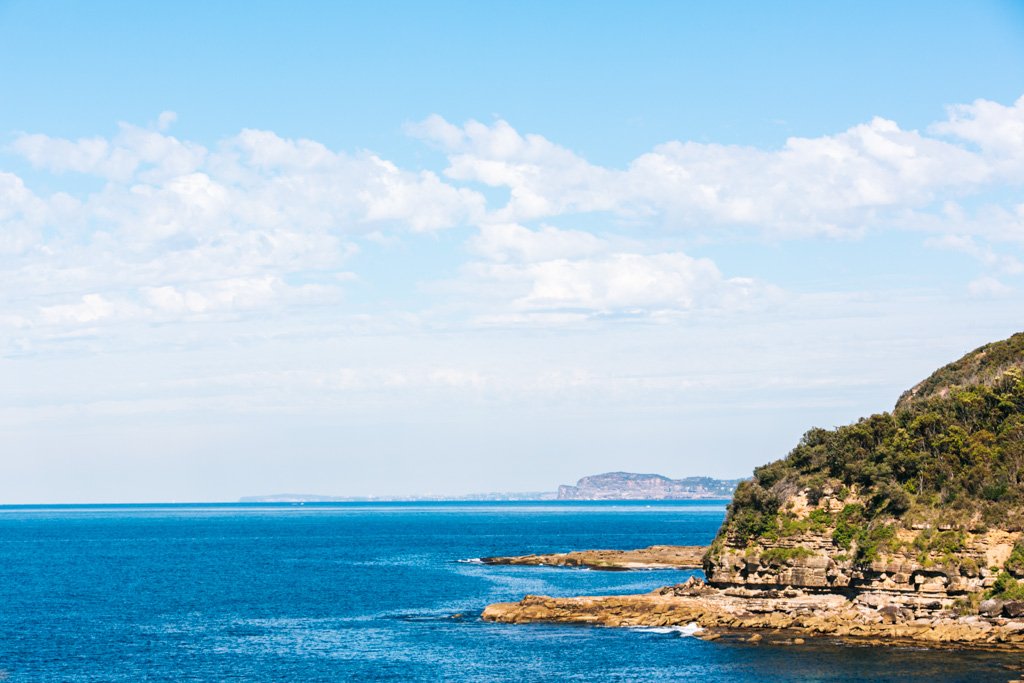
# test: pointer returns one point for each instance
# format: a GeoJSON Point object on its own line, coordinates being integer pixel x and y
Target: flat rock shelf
{"type": "Point", "coordinates": [791, 614]}
{"type": "Point", "coordinates": [653, 557]}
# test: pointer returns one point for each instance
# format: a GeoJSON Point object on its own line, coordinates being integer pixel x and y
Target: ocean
{"type": "Point", "coordinates": [372, 592]}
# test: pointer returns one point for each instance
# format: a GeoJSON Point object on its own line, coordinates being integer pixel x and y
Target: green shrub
{"type": "Point", "coordinates": [872, 541]}
{"type": "Point", "coordinates": [848, 525]}
{"type": "Point", "coordinates": [969, 567]}
{"type": "Point", "coordinates": [941, 542]}
{"type": "Point", "coordinates": [1006, 588]}
{"type": "Point", "coordinates": [967, 605]}
{"type": "Point", "coordinates": [1015, 563]}
{"type": "Point", "coordinates": [751, 524]}
{"type": "Point", "coordinates": [820, 519]}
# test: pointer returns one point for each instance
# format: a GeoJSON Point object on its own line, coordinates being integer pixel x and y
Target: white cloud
{"type": "Point", "coordinates": [166, 119]}
{"type": "Point", "coordinates": [998, 262]}
{"type": "Point", "coordinates": [21, 215]}
{"type": "Point", "coordinates": [543, 178]}
{"type": "Point", "coordinates": [179, 229]}
{"type": "Point", "coordinates": [236, 293]}
{"type": "Point", "coordinates": [998, 131]}
{"type": "Point", "coordinates": [570, 273]}
{"type": "Point", "coordinates": [92, 308]}
{"type": "Point", "coordinates": [987, 286]}
{"type": "Point", "coordinates": [628, 282]}
{"type": "Point", "coordinates": [279, 180]}
{"type": "Point", "coordinates": [867, 176]}
{"type": "Point", "coordinates": [182, 229]}
{"type": "Point", "coordinates": [161, 187]}
{"type": "Point", "coordinates": [198, 301]}
{"type": "Point", "coordinates": [133, 152]}
{"type": "Point", "coordinates": [513, 242]}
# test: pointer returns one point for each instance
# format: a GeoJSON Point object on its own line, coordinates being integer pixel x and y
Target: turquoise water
{"type": "Point", "coordinates": [340, 592]}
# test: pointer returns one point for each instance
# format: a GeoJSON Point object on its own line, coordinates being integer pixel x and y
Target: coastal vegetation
{"type": "Point", "coordinates": [948, 460]}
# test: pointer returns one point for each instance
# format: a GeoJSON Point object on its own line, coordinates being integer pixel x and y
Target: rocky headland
{"type": "Point", "coordinates": [906, 525]}
{"type": "Point", "coordinates": [653, 557]}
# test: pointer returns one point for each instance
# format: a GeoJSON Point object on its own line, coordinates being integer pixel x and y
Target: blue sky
{"type": "Point", "coordinates": [398, 248]}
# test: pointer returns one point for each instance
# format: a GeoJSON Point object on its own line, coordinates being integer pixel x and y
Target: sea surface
{"type": "Point", "coordinates": [370, 592]}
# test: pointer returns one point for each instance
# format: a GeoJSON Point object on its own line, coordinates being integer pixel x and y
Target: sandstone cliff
{"type": "Point", "coordinates": [922, 507]}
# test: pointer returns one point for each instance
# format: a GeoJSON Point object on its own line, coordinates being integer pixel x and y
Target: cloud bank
{"type": "Point", "coordinates": [869, 176]}
{"type": "Point", "coordinates": [150, 227]}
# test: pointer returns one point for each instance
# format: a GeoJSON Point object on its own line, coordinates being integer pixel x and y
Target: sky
{"type": "Point", "coordinates": [401, 248]}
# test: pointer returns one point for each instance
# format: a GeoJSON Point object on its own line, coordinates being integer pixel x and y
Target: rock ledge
{"type": "Point", "coordinates": [653, 557]}
{"type": "Point", "coordinates": [791, 611]}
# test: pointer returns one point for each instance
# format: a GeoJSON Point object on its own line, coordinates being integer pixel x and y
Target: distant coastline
{"type": "Point", "coordinates": [606, 486]}
{"type": "Point", "coordinates": [312, 498]}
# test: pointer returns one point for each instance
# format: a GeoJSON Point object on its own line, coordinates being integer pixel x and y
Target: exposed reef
{"type": "Point", "coordinates": [790, 613]}
{"type": "Point", "coordinates": [654, 557]}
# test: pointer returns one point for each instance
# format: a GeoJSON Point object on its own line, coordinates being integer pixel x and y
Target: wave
{"type": "Point", "coordinates": [687, 630]}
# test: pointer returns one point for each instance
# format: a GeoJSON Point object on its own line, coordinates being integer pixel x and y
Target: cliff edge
{"type": "Point", "coordinates": [923, 506]}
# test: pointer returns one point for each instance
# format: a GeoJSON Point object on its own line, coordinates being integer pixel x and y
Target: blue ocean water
{"type": "Point", "coordinates": [345, 592]}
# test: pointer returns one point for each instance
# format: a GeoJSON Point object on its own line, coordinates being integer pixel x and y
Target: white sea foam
{"type": "Point", "coordinates": [687, 630]}
{"type": "Point", "coordinates": [471, 560]}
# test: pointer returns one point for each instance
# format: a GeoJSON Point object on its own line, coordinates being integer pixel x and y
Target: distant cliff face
{"type": "Point", "coordinates": [925, 503]}
{"type": "Point", "coordinates": [630, 486]}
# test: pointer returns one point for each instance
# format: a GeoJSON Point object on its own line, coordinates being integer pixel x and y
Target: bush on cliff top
{"type": "Point", "coordinates": [952, 449]}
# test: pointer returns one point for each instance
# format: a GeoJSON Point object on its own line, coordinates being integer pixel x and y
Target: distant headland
{"type": "Point", "coordinates": [607, 486]}
{"type": "Point", "coordinates": [630, 486]}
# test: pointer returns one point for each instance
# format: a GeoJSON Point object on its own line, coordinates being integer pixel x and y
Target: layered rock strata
{"type": "Point", "coordinates": [792, 612]}
{"type": "Point", "coordinates": [923, 569]}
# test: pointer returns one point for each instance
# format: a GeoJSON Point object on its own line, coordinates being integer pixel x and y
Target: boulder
{"type": "Point", "coordinates": [990, 608]}
{"type": "Point", "coordinates": [891, 614]}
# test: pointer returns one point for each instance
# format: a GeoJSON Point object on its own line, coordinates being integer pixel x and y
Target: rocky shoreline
{"type": "Point", "coordinates": [787, 615]}
{"type": "Point", "coordinates": [901, 527]}
{"type": "Point", "coordinates": [653, 557]}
